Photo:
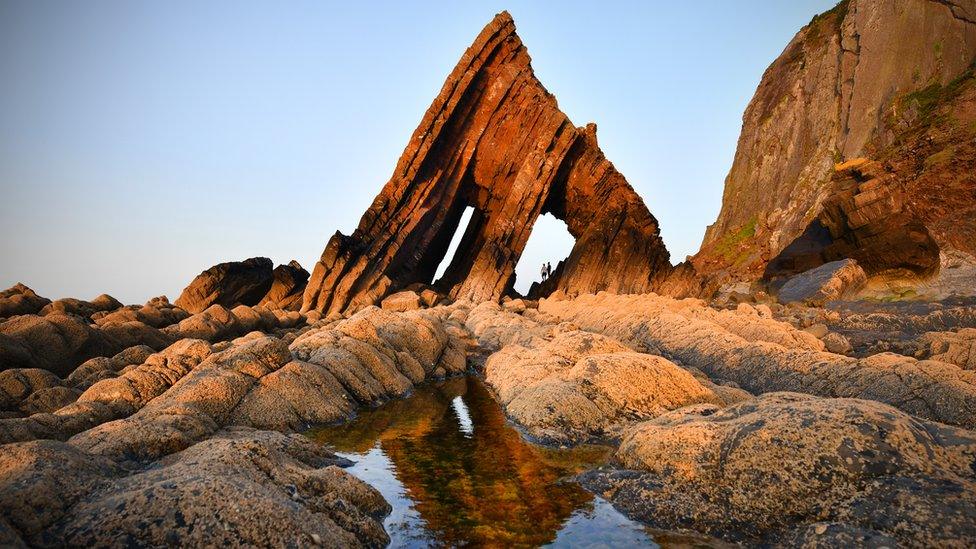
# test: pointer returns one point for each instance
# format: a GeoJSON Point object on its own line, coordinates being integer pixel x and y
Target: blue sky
{"type": "Point", "coordinates": [142, 142]}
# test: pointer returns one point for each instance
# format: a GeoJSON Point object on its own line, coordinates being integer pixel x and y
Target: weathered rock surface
{"type": "Point", "coordinates": [957, 348]}
{"type": "Point", "coordinates": [71, 306]}
{"type": "Point", "coordinates": [755, 353]}
{"type": "Point", "coordinates": [186, 392]}
{"type": "Point", "coordinates": [890, 81]}
{"type": "Point", "coordinates": [288, 287]}
{"type": "Point", "coordinates": [401, 301]}
{"type": "Point", "coordinates": [240, 488]}
{"type": "Point", "coordinates": [162, 451]}
{"type": "Point", "coordinates": [229, 285]}
{"type": "Point", "coordinates": [827, 282]}
{"type": "Point", "coordinates": [494, 139]}
{"type": "Point", "coordinates": [787, 467]}
{"type": "Point", "coordinates": [59, 342]}
{"type": "Point", "coordinates": [582, 387]}
{"type": "Point", "coordinates": [20, 300]}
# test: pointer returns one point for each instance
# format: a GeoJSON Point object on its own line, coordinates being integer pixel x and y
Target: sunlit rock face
{"type": "Point", "coordinates": [890, 81]}
{"type": "Point", "coordinates": [493, 139]}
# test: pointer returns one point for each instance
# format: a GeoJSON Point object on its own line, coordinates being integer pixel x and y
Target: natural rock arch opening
{"type": "Point", "coordinates": [550, 242]}
{"type": "Point", "coordinates": [493, 140]}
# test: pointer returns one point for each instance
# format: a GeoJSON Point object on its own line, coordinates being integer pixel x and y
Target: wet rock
{"type": "Point", "coordinates": [827, 282]}
{"type": "Point", "coordinates": [229, 285]}
{"type": "Point", "coordinates": [769, 467]}
{"type": "Point", "coordinates": [20, 300]}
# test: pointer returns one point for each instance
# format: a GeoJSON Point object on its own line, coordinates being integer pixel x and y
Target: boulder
{"type": "Point", "coordinates": [288, 286]}
{"type": "Point", "coordinates": [957, 348]}
{"type": "Point", "coordinates": [778, 466]}
{"type": "Point", "coordinates": [830, 281]}
{"type": "Point", "coordinates": [402, 301]}
{"type": "Point", "coordinates": [20, 300]}
{"type": "Point", "coordinates": [581, 387]}
{"type": "Point", "coordinates": [71, 306]}
{"type": "Point", "coordinates": [55, 342]}
{"type": "Point", "coordinates": [229, 285]}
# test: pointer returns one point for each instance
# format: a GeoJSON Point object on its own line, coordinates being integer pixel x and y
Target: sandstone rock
{"type": "Point", "coordinates": [430, 297]}
{"type": "Point", "coordinates": [190, 390]}
{"type": "Point", "coordinates": [692, 335]}
{"type": "Point", "coordinates": [229, 284]}
{"type": "Point", "coordinates": [402, 301]}
{"type": "Point", "coordinates": [55, 342]}
{"type": "Point", "coordinates": [957, 348]}
{"type": "Point", "coordinates": [213, 324]}
{"type": "Point", "coordinates": [567, 386]}
{"type": "Point", "coordinates": [99, 368]}
{"type": "Point", "coordinates": [241, 487]}
{"type": "Point", "coordinates": [85, 309]}
{"type": "Point", "coordinates": [757, 471]}
{"type": "Point", "coordinates": [288, 287]}
{"type": "Point", "coordinates": [827, 282]}
{"type": "Point", "coordinates": [17, 384]}
{"type": "Point", "coordinates": [156, 313]}
{"type": "Point", "coordinates": [20, 300]}
{"type": "Point", "coordinates": [515, 306]}
{"type": "Point", "coordinates": [836, 343]}
{"type": "Point", "coordinates": [493, 126]}
{"type": "Point", "coordinates": [50, 399]}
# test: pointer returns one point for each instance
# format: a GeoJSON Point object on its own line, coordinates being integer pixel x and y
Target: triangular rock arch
{"type": "Point", "coordinates": [493, 139]}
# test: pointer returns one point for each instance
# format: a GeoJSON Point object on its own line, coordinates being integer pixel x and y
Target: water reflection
{"type": "Point", "coordinates": [456, 473]}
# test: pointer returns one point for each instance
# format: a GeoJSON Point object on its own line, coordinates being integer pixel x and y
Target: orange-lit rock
{"type": "Point", "coordinates": [493, 139]}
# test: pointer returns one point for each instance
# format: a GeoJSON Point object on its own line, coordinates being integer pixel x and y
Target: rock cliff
{"type": "Point", "coordinates": [495, 140]}
{"type": "Point", "coordinates": [889, 80]}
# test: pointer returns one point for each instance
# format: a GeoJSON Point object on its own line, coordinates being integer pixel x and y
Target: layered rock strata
{"type": "Point", "coordinates": [886, 80]}
{"type": "Point", "coordinates": [494, 140]}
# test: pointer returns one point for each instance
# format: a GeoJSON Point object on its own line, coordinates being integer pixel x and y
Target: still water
{"type": "Point", "coordinates": [456, 473]}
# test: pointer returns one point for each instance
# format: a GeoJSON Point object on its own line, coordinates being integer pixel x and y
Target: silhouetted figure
{"type": "Point", "coordinates": [545, 272]}
{"type": "Point", "coordinates": [548, 270]}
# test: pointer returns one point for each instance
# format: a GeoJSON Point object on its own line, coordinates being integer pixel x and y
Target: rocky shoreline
{"type": "Point", "coordinates": [727, 422]}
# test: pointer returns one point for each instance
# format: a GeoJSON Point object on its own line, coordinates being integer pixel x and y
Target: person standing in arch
{"type": "Point", "coordinates": [544, 272]}
{"type": "Point", "coordinates": [548, 270]}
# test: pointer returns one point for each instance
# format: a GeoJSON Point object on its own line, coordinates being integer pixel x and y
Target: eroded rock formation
{"type": "Point", "coordinates": [887, 80]}
{"type": "Point", "coordinates": [494, 139]}
{"type": "Point", "coordinates": [793, 470]}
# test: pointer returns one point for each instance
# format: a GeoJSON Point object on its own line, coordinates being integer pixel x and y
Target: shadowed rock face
{"type": "Point", "coordinates": [229, 284]}
{"type": "Point", "coordinates": [494, 139]}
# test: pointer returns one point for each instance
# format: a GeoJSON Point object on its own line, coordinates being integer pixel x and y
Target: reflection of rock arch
{"type": "Point", "coordinates": [492, 488]}
{"type": "Point", "coordinates": [494, 139]}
